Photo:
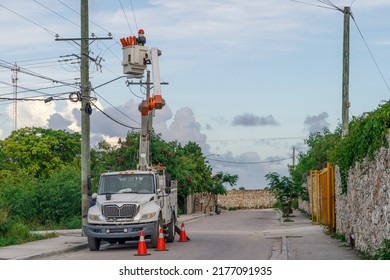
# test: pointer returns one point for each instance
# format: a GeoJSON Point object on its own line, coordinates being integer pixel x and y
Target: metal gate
{"type": "Point", "coordinates": [322, 196]}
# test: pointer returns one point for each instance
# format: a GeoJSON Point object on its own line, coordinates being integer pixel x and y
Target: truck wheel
{"type": "Point", "coordinates": [171, 230]}
{"type": "Point", "coordinates": [155, 233]}
{"type": "Point", "coordinates": [94, 243]}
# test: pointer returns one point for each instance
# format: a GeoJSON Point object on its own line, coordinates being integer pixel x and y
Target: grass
{"type": "Point", "coordinates": [20, 233]}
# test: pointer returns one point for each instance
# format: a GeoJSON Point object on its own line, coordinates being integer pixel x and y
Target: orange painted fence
{"type": "Point", "coordinates": [322, 197]}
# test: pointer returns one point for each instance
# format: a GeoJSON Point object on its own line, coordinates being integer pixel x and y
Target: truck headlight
{"type": "Point", "coordinates": [94, 217]}
{"type": "Point", "coordinates": [147, 216]}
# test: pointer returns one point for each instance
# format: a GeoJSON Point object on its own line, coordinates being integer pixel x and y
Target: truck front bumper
{"type": "Point", "coordinates": [117, 231]}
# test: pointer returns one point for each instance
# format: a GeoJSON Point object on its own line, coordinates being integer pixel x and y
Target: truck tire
{"type": "Point", "coordinates": [155, 233]}
{"type": "Point", "coordinates": [94, 243]}
{"type": "Point", "coordinates": [171, 229]}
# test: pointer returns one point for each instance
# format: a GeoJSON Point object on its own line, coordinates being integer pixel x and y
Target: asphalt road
{"type": "Point", "coordinates": [236, 235]}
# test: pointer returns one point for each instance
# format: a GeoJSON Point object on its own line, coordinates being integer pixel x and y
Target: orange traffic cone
{"type": "Point", "coordinates": [142, 251]}
{"type": "Point", "coordinates": [183, 235]}
{"type": "Point", "coordinates": [161, 242]}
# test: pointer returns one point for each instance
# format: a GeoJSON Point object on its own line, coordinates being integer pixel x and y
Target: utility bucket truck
{"type": "Point", "coordinates": [133, 200]}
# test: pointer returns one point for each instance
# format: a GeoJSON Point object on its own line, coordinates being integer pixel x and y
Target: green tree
{"type": "Point", "coordinates": [216, 186]}
{"type": "Point", "coordinates": [191, 171]}
{"type": "Point", "coordinates": [39, 151]}
{"type": "Point", "coordinates": [320, 146]}
{"type": "Point", "coordinates": [367, 134]}
{"type": "Point", "coordinates": [285, 191]}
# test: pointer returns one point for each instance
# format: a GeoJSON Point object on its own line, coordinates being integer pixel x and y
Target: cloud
{"type": "Point", "coordinates": [253, 120]}
{"type": "Point", "coordinates": [181, 126]}
{"type": "Point", "coordinates": [32, 113]}
{"type": "Point", "coordinates": [185, 128]}
{"type": "Point", "coordinates": [251, 176]}
{"type": "Point", "coordinates": [316, 123]}
{"type": "Point", "coordinates": [58, 122]}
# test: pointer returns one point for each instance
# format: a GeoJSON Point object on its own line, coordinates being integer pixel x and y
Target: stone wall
{"type": "Point", "coordinates": [247, 199]}
{"type": "Point", "coordinates": [363, 213]}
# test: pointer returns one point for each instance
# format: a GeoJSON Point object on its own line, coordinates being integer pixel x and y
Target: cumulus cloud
{"type": "Point", "coordinates": [248, 119]}
{"type": "Point", "coordinates": [58, 122]}
{"type": "Point", "coordinates": [250, 168]}
{"type": "Point", "coordinates": [185, 128]}
{"type": "Point", "coordinates": [32, 113]}
{"type": "Point", "coordinates": [316, 123]}
{"type": "Point", "coordinates": [181, 126]}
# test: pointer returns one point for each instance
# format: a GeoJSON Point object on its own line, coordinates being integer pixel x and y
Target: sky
{"type": "Point", "coordinates": [247, 80]}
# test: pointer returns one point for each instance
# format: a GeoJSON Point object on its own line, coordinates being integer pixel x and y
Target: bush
{"type": "Point", "coordinates": [383, 253]}
{"type": "Point", "coordinates": [59, 197]}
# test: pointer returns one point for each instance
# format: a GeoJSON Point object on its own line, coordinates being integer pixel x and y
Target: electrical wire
{"type": "Point", "coordinates": [371, 54]}
{"type": "Point", "coordinates": [311, 4]}
{"type": "Point", "coordinates": [114, 120]}
{"type": "Point", "coordinates": [124, 13]}
{"type": "Point", "coordinates": [58, 14]}
{"type": "Point", "coordinates": [31, 21]}
{"type": "Point", "coordinates": [249, 162]}
{"type": "Point", "coordinates": [38, 90]}
{"type": "Point", "coordinates": [11, 66]}
{"type": "Point", "coordinates": [102, 28]}
{"type": "Point", "coordinates": [250, 140]}
{"type": "Point", "coordinates": [127, 116]}
{"type": "Point", "coordinates": [94, 23]}
{"type": "Point", "coordinates": [32, 99]}
{"type": "Point", "coordinates": [135, 20]}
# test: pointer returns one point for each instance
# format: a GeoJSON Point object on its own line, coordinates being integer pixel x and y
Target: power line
{"type": "Point", "coordinates": [369, 50]}
{"type": "Point", "coordinates": [311, 4]}
{"type": "Point", "coordinates": [78, 13]}
{"type": "Point", "coordinates": [35, 90]}
{"type": "Point", "coordinates": [135, 20]}
{"type": "Point", "coordinates": [29, 20]}
{"type": "Point", "coordinates": [124, 13]}
{"type": "Point", "coordinates": [130, 118]}
{"type": "Point", "coordinates": [33, 99]}
{"type": "Point", "coordinates": [11, 66]}
{"type": "Point", "coordinates": [58, 14]}
{"type": "Point", "coordinates": [250, 162]}
{"type": "Point", "coordinates": [250, 140]}
{"type": "Point", "coordinates": [114, 120]}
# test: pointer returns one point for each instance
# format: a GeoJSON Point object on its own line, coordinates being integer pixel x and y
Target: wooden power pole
{"type": "Point", "coordinates": [85, 111]}
{"type": "Point", "coordinates": [345, 97]}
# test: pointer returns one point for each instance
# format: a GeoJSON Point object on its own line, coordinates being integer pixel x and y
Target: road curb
{"type": "Point", "coordinates": [54, 252]}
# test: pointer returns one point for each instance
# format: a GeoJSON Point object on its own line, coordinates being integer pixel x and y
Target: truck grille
{"type": "Point", "coordinates": [124, 211]}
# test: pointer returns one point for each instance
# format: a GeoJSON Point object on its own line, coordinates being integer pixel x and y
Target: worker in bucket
{"type": "Point", "coordinates": [141, 40]}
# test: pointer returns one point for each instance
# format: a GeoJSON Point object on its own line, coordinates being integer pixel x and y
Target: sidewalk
{"type": "Point", "coordinates": [296, 240]}
{"type": "Point", "coordinates": [302, 240]}
{"type": "Point", "coordinates": [67, 240]}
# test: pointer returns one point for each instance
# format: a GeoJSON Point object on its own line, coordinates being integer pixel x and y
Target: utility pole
{"type": "Point", "coordinates": [15, 95]}
{"type": "Point", "coordinates": [85, 111]}
{"type": "Point", "coordinates": [345, 97]}
{"type": "Point", "coordinates": [293, 158]}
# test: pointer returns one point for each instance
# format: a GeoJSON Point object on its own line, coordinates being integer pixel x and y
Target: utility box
{"type": "Point", "coordinates": [134, 60]}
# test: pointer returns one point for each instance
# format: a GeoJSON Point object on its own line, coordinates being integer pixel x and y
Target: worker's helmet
{"type": "Point", "coordinates": [141, 31]}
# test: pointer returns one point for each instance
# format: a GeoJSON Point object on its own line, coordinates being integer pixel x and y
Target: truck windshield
{"type": "Point", "coordinates": [126, 183]}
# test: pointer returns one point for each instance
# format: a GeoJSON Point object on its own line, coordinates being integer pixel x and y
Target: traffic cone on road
{"type": "Point", "coordinates": [161, 242]}
{"type": "Point", "coordinates": [183, 235]}
{"type": "Point", "coordinates": [142, 251]}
